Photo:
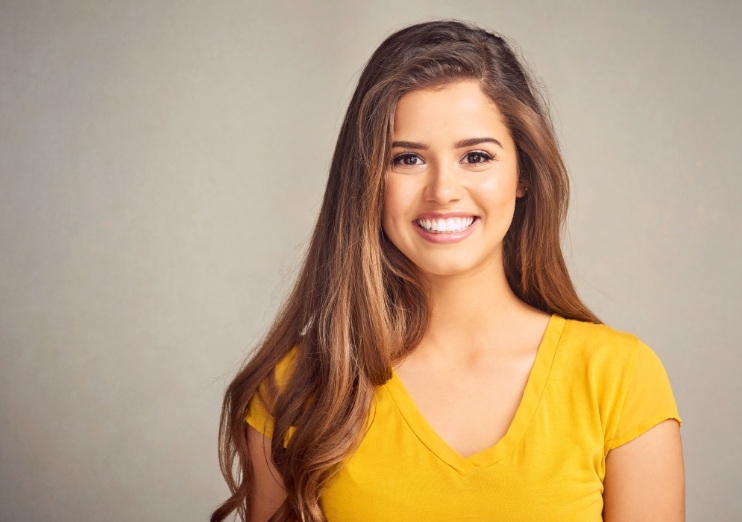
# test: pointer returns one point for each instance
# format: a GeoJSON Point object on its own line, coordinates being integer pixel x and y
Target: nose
{"type": "Point", "coordinates": [443, 185]}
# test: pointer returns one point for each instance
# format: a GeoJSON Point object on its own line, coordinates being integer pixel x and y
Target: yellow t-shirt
{"type": "Point", "coordinates": [591, 389]}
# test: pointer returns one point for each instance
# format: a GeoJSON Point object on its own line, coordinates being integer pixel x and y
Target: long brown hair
{"type": "Point", "coordinates": [357, 306]}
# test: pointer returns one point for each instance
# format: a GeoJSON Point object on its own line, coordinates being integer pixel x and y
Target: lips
{"type": "Point", "coordinates": [445, 228]}
{"type": "Point", "coordinates": [445, 225]}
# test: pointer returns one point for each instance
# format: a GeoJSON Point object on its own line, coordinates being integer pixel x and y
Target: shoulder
{"type": "Point", "coordinates": [622, 376]}
{"type": "Point", "coordinates": [285, 367]}
{"type": "Point", "coordinates": [261, 405]}
{"type": "Point", "coordinates": [610, 350]}
{"type": "Point", "coordinates": [278, 378]}
{"type": "Point", "coordinates": [598, 359]}
{"type": "Point", "coordinates": [597, 337]}
{"type": "Point", "coordinates": [601, 348]}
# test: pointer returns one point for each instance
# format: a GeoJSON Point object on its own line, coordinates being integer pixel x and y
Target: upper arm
{"type": "Point", "coordinates": [644, 478]}
{"type": "Point", "coordinates": [267, 491]}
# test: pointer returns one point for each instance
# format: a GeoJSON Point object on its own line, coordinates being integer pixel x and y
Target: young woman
{"type": "Point", "coordinates": [433, 361]}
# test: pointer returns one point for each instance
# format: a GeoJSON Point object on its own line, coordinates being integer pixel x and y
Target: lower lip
{"type": "Point", "coordinates": [446, 237]}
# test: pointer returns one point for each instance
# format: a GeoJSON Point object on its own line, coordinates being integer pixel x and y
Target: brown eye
{"type": "Point", "coordinates": [476, 157]}
{"type": "Point", "coordinates": [407, 159]}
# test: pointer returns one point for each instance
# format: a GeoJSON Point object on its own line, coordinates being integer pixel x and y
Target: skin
{"type": "Point", "coordinates": [644, 478]}
{"type": "Point", "coordinates": [468, 351]}
{"type": "Point", "coordinates": [267, 491]}
{"type": "Point", "coordinates": [428, 173]}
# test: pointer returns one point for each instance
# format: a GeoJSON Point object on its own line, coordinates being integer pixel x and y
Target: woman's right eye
{"type": "Point", "coordinates": [407, 159]}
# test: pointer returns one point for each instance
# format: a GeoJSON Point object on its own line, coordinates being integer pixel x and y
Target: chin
{"type": "Point", "coordinates": [449, 269]}
{"type": "Point", "coordinates": [458, 265]}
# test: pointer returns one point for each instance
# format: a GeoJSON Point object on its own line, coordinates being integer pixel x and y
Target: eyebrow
{"type": "Point", "coordinates": [458, 145]}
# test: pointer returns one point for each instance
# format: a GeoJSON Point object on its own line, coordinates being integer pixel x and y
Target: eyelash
{"type": "Point", "coordinates": [484, 157]}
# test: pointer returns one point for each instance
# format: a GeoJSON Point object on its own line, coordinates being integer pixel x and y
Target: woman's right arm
{"type": "Point", "coordinates": [267, 492]}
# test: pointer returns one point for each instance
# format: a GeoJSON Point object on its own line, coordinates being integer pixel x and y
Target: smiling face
{"type": "Point", "coordinates": [452, 182]}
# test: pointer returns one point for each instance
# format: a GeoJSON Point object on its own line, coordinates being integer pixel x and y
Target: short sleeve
{"type": "Point", "coordinates": [259, 411]}
{"type": "Point", "coordinates": [649, 399]}
{"type": "Point", "coordinates": [258, 415]}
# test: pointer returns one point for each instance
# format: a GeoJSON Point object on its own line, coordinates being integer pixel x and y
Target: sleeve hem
{"type": "Point", "coordinates": [264, 426]}
{"type": "Point", "coordinates": [642, 428]}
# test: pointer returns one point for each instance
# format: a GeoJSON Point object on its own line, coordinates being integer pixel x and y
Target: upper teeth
{"type": "Point", "coordinates": [446, 225]}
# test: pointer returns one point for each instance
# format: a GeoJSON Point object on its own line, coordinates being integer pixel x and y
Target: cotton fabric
{"type": "Point", "coordinates": [590, 390]}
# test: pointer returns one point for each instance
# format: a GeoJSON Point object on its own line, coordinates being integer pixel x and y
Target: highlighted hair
{"type": "Point", "coordinates": [357, 307]}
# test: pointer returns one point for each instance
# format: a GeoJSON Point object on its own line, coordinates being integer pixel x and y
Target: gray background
{"type": "Point", "coordinates": [161, 165]}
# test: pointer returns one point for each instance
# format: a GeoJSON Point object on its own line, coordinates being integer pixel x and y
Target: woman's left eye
{"type": "Point", "coordinates": [477, 156]}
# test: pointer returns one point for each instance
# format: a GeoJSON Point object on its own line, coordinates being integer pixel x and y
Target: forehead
{"type": "Point", "coordinates": [452, 108]}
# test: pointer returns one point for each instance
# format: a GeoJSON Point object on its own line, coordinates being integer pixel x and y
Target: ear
{"type": "Point", "coordinates": [522, 188]}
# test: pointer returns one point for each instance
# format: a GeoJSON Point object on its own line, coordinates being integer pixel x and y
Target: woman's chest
{"type": "Point", "coordinates": [470, 409]}
{"type": "Point", "coordinates": [548, 466]}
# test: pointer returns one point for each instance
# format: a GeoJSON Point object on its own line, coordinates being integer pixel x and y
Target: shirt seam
{"type": "Point", "coordinates": [635, 357]}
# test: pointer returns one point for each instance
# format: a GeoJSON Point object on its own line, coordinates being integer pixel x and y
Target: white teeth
{"type": "Point", "coordinates": [441, 226]}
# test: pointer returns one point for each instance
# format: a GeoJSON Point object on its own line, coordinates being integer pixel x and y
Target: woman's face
{"type": "Point", "coordinates": [452, 182]}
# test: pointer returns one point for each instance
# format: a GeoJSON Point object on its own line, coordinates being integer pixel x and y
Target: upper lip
{"type": "Point", "coordinates": [444, 215]}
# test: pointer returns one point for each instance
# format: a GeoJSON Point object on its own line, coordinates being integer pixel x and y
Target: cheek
{"type": "Point", "coordinates": [498, 191]}
{"type": "Point", "coordinates": [393, 204]}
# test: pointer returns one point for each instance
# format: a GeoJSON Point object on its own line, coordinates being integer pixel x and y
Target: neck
{"type": "Point", "coordinates": [472, 313]}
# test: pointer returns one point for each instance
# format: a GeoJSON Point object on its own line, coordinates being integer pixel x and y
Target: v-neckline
{"type": "Point", "coordinates": [532, 392]}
